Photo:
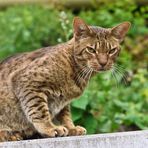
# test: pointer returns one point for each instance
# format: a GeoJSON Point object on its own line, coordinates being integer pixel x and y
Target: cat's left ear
{"type": "Point", "coordinates": [120, 30]}
{"type": "Point", "coordinates": [81, 29]}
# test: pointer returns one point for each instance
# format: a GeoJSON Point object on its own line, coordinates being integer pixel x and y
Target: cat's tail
{"type": "Point", "coordinates": [10, 136]}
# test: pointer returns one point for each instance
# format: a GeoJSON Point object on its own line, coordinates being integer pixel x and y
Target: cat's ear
{"type": "Point", "coordinates": [80, 28]}
{"type": "Point", "coordinates": [120, 30]}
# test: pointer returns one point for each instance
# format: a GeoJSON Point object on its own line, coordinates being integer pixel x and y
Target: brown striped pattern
{"type": "Point", "coordinates": [37, 87]}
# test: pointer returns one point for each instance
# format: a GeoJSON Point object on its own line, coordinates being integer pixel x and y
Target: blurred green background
{"type": "Point", "coordinates": [110, 103]}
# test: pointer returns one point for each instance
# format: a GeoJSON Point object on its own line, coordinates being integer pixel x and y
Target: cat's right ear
{"type": "Point", "coordinates": [80, 28]}
{"type": "Point", "coordinates": [120, 30]}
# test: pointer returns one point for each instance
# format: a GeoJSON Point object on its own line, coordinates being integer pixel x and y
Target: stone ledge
{"type": "Point", "coordinates": [135, 139]}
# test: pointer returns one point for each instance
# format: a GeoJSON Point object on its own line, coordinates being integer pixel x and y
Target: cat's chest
{"type": "Point", "coordinates": [74, 91]}
{"type": "Point", "coordinates": [61, 97]}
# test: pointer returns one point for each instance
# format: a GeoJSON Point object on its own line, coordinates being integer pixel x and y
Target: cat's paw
{"type": "Point", "coordinates": [16, 137]}
{"type": "Point", "coordinates": [76, 131]}
{"type": "Point", "coordinates": [58, 131]}
{"type": "Point", "coordinates": [61, 131]}
{"type": "Point", "coordinates": [10, 136]}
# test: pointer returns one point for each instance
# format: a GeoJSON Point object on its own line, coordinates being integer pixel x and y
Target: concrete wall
{"type": "Point", "coordinates": [136, 139]}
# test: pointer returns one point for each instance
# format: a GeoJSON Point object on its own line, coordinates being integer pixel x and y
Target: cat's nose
{"type": "Point", "coordinates": [103, 64]}
{"type": "Point", "coordinates": [102, 59]}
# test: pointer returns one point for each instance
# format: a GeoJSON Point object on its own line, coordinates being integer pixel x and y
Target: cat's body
{"type": "Point", "coordinates": [58, 84]}
{"type": "Point", "coordinates": [38, 86]}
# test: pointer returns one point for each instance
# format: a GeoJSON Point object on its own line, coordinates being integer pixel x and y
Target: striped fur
{"type": "Point", "coordinates": [37, 87]}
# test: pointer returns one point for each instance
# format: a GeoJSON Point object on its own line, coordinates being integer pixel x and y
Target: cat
{"type": "Point", "coordinates": [37, 87]}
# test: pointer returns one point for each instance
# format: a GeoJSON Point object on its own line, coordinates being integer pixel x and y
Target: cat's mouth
{"type": "Point", "coordinates": [102, 69]}
{"type": "Point", "coordinates": [98, 68]}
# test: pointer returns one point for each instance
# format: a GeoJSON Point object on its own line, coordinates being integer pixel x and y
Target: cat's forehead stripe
{"type": "Point", "coordinates": [103, 45]}
{"type": "Point", "coordinates": [102, 36]}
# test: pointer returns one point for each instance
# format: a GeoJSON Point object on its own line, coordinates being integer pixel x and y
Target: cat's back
{"type": "Point", "coordinates": [19, 61]}
{"type": "Point", "coordinates": [16, 63]}
{"type": "Point", "coordinates": [13, 65]}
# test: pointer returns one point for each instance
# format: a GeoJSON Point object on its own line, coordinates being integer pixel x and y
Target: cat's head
{"type": "Point", "coordinates": [95, 47]}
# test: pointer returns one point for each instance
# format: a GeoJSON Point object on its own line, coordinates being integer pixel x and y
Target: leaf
{"type": "Point", "coordinates": [76, 113]}
{"type": "Point", "coordinates": [81, 102]}
{"type": "Point", "coordinates": [90, 123]}
{"type": "Point", "coordinates": [106, 127]}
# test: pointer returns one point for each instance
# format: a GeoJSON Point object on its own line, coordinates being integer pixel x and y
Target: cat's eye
{"type": "Point", "coordinates": [91, 50]}
{"type": "Point", "coordinates": [113, 50]}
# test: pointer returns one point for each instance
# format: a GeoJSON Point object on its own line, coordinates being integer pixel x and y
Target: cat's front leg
{"type": "Point", "coordinates": [65, 118]}
{"type": "Point", "coordinates": [35, 106]}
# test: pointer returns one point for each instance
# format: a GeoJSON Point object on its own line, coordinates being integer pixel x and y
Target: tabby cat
{"type": "Point", "coordinates": [37, 87]}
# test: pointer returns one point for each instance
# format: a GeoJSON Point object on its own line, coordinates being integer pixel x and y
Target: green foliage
{"type": "Point", "coordinates": [105, 106]}
{"type": "Point", "coordinates": [29, 27]}
{"type": "Point", "coordinates": [109, 107]}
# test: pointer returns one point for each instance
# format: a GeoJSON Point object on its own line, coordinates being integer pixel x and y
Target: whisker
{"type": "Point", "coordinates": [87, 74]}
{"type": "Point", "coordinates": [120, 66]}
{"type": "Point", "coordinates": [90, 75]}
{"type": "Point", "coordinates": [115, 78]}
{"type": "Point", "coordinates": [121, 73]}
{"type": "Point", "coordinates": [81, 74]}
